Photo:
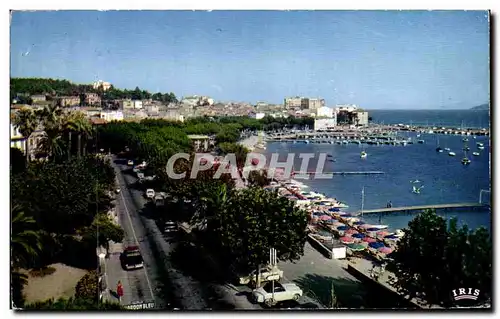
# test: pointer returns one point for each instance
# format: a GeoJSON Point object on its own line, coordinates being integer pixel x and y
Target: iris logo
{"type": "Point", "coordinates": [465, 293]}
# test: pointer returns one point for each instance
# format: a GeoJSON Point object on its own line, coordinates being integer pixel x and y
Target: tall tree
{"type": "Point", "coordinates": [256, 220]}
{"type": "Point", "coordinates": [432, 259]}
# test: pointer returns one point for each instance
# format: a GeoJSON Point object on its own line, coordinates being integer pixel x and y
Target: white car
{"type": "Point", "coordinates": [150, 193]}
{"type": "Point", "coordinates": [282, 292]}
{"type": "Point", "coordinates": [266, 274]}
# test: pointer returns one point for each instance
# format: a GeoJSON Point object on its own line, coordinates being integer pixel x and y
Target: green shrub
{"type": "Point", "coordinates": [87, 287]}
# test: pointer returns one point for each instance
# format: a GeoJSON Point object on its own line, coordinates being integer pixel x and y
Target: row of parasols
{"type": "Point", "coordinates": [355, 240]}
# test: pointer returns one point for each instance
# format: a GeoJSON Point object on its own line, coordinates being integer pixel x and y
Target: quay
{"type": "Point", "coordinates": [423, 207]}
{"type": "Point", "coordinates": [340, 173]}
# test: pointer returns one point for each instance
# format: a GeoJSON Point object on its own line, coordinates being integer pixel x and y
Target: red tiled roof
{"type": "Point", "coordinates": [97, 121]}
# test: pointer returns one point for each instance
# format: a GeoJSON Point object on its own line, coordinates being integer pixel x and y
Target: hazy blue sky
{"type": "Point", "coordinates": [377, 59]}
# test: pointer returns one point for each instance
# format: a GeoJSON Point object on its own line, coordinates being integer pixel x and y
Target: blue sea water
{"type": "Point", "coordinates": [453, 118]}
{"type": "Point", "coordinates": [444, 178]}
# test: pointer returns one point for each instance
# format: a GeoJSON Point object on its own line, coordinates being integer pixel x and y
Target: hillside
{"type": "Point", "coordinates": [482, 107]}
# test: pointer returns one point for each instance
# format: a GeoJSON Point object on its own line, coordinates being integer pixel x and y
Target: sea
{"type": "Point", "coordinates": [442, 178]}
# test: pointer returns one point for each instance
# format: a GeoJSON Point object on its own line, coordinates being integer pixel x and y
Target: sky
{"type": "Point", "coordinates": [375, 59]}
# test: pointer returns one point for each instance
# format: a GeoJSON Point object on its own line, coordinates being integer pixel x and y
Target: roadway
{"type": "Point", "coordinates": [159, 281]}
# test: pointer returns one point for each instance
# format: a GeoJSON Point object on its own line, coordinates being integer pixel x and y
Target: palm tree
{"type": "Point", "coordinates": [82, 128]}
{"type": "Point", "coordinates": [25, 241]}
{"type": "Point", "coordinates": [51, 118]}
{"type": "Point", "coordinates": [26, 121]}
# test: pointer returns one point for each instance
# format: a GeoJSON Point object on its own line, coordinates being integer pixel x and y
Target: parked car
{"type": "Point", "coordinates": [150, 193]}
{"type": "Point", "coordinates": [266, 274]}
{"type": "Point", "coordinates": [282, 292]}
{"type": "Point", "coordinates": [131, 258]}
{"type": "Point", "coordinates": [170, 227]}
{"type": "Point", "coordinates": [130, 163]}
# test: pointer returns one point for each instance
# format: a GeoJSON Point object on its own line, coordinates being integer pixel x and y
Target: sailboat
{"type": "Point", "coordinates": [416, 190]}
{"type": "Point", "coordinates": [465, 160]}
{"type": "Point", "coordinates": [438, 148]}
{"type": "Point", "coordinates": [363, 154]}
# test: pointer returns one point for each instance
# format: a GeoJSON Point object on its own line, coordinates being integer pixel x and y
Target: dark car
{"type": "Point", "coordinates": [131, 258]}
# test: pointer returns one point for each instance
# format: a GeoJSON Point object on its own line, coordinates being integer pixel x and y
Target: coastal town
{"type": "Point", "coordinates": [265, 185]}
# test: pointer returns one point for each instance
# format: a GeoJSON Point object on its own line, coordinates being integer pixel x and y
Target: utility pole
{"type": "Point", "coordinates": [362, 200]}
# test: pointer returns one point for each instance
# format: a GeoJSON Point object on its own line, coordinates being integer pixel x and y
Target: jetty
{"type": "Point", "coordinates": [423, 207]}
{"type": "Point", "coordinates": [339, 173]}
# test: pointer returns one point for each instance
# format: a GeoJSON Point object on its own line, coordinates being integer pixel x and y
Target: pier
{"type": "Point", "coordinates": [340, 173]}
{"type": "Point", "coordinates": [423, 207]}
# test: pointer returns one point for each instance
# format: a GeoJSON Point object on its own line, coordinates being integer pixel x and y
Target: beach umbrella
{"type": "Point", "coordinates": [342, 213]}
{"type": "Point", "coordinates": [372, 229]}
{"type": "Point", "coordinates": [385, 250]}
{"type": "Point", "coordinates": [369, 240]}
{"type": "Point", "coordinates": [351, 231]}
{"type": "Point", "coordinates": [346, 215]}
{"type": "Point", "coordinates": [358, 235]}
{"type": "Point", "coordinates": [330, 221]}
{"type": "Point", "coordinates": [343, 228]}
{"type": "Point", "coordinates": [382, 233]}
{"type": "Point", "coordinates": [334, 209]}
{"type": "Point", "coordinates": [325, 217]}
{"type": "Point", "coordinates": [359, 223]}
{"type": "Point", "coordinates": [356, 247]}
{"type": "Point", "coordinates": [391, 237]}
{"type": "Point", "coordinates": [366, 226]}
{"type": "Point", "coordinates": [376, 245]}
{"type": "Point", "coordinates": [346, 240]}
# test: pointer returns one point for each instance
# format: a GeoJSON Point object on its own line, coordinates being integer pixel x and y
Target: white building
{"type": "Point", "coordinates": [324, 112]}
{"type": "Point", "coordinates": [361, 117]}
{"type": "Point", "coordinates": [257, 116]}
{"type": "Point", "coordinates": [137, 104]}
{"type": "Point", "coordinates": [151, 108]}
{"type": "Point", "coordinates": [17, 140]}
{"type": "Point", "coordinates": [325, 124]}
{"type": "Point", "coordinates": [109, 116]}
{"type": "Point", "coordinates": [101, 84]}
{"type": "Point", "coordinates": [345, 108]}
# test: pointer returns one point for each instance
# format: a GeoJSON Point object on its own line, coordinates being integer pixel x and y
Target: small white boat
{"type": "Point", "coordinates": [363, 154]}
{"type": "Point", "coordinates": [475, 153]}
{"type": "Point", "coordinates": [479, 144]}
{"type": "Point", "coordinates": [447, 149]}
{"type": "Point", "coordinates": [379, 226]}
{"type": "Point", "coordinates": [399, 233]}
{"type": "Point", "coordinates": [480, 147]}
{"type": "Point", "coordinates": [452, 153]}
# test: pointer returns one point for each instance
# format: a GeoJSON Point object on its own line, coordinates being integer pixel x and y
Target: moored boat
{"type": "Point", "coordinates": [475, 153]}
{"type": "Point", "coordinates": [452, 153]}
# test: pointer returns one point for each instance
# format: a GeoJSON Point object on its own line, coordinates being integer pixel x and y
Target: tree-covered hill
{"type": "Point", "coordinates": [24, 87]}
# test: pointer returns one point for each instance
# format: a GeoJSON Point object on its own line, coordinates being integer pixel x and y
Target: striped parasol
{"type": "Point", "coordinates": [351, 231]}
{"type": "Point", "coordinates": [346, 240]}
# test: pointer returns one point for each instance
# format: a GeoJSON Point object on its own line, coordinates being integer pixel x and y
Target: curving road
{"type": "Point", "coordinates": [154, 282]}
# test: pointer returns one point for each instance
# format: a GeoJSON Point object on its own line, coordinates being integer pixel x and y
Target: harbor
{"type": "Point", "coordinates": [369, 237]}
